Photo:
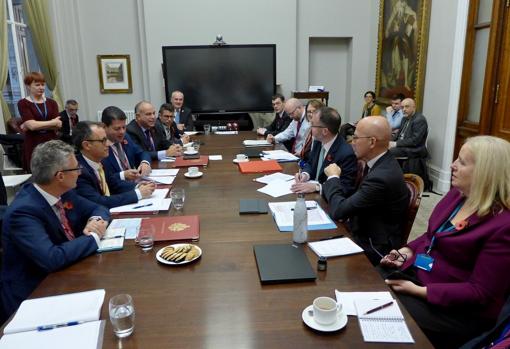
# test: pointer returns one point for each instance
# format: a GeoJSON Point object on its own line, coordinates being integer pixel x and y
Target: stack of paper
{"type": "Point", "coordinates": [274, 176]}
{"type": "Point", "coordinates": [277, 188]}
{"type": "Point", "coordinates": [256, 143]}
{"type": "Point", "coordinates": [226, 132]}
{"type": "Point", "coordinates": [334, 247]}
{"type": "Point", "coordinates": [131, 226]}
{"type": "Point", "coordinates": [163, 176]}
{"type": "Point", "coordinates": [152, 205]}
{"type": "Point", "coordinates": [112, 240]}
{"type": "Point", "coordinates": [279, 155]}
{"type": "Point", "coordinates": [283, 214]}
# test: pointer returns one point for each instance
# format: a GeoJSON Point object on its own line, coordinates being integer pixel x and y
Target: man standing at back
{"type": "Point", "coordinates": [183, 117]}
{"type": "Point", "coordinates": [69, 118]}
{"type": "Point", "coordinates": [48, 226]}
{"type": "Point", "coordinates": [377, 210]}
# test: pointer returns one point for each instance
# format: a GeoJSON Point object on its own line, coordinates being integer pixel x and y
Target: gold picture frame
{"type": "Point", "coordinates": [114, 73]}
{"type": "Point", "coordinates": [402, 49]}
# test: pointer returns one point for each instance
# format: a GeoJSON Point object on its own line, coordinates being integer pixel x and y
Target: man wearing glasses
{"type": "Point", "coordinates": [48, 226]}
{"type": "Point", "coordinates": [377, 209]}
{"type": "Point", "coordinates": [94, 183]}
{"type": "Point", "coordinates": [328, 148]}
{"type": "Point", "coordinates": [69, 118]}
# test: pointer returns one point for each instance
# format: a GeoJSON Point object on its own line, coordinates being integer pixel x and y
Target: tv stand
{"type": "Point", "coordinates": [243, 120]}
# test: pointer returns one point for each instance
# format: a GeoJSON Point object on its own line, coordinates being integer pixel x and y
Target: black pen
{"type": "Point", "coordinates": [385, 305]}
{"type": "Point", "coordinates": [140, 206]}
{"type": "Point", "coordinates": [308, 208]}
{"type": "Point", "coordinates": [112, 237]}
{"type": "Point", "coordinates": [333, 237]}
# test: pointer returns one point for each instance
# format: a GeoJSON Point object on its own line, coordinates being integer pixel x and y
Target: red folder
{"type": "Point", "coordinates": [202, 161]}
{"type": "Point", "coordinates": [174, 228]}
{"type": "Point", "coordinates": [259, 166]}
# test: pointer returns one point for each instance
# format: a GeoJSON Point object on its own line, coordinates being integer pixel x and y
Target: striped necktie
{"type": "Point", "coordinates": [121, 155]}
{"type": "Point", "coordinates": [68, 231]}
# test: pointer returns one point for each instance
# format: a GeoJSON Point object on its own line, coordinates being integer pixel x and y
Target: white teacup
{"type": "Point", "coordinates": [241, 157]}
{"type": "Point", "coordinates": [190, 149]}
{"type": "Point", "coordinates": [325, 310]}
{"type": "Point", "coordinates": [193, 171]}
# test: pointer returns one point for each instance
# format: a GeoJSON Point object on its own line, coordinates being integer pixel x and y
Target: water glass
{"type": "Point", "coordinates": [207, 129]}
{"type": "Point", "coordinates": [178, 196]}
{"type": "Point", "coordinates": [122, 315]}
{"type": "Point", "coordinates": [146, 242]}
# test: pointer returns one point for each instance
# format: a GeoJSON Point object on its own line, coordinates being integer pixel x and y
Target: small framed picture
{"type": "Point", "coordinates": [114, 73]}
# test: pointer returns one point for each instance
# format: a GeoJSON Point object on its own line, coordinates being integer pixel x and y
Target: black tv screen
{"type": "Point", "coordinates": [217, 79]}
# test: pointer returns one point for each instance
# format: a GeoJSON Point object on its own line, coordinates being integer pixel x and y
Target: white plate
{"type": "Point", "coordinates": [340, 322]}
{"type": "Point", "coordinates": [196, 175]}
{"type": "Point", "coordinates": [187, 152]}
{"type": "Point", "coordinates": [164, 261]}
{"type": "Point", "coordinates": [238, 161]}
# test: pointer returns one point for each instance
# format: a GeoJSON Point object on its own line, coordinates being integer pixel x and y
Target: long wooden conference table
{"type": "Point", "coordinates": [218, 301]}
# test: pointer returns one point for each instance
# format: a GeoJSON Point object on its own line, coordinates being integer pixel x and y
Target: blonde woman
{"type": "Point", "coordinates": [460, 266]}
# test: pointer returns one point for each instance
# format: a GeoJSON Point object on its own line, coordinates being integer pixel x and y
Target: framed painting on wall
{"type": "Point", "coordinates": [402, 49]}
{"type": "Point", "coordinates": [114, 73]}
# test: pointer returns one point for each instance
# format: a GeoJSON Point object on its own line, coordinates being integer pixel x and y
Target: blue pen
{"type": "Point", "coordinates": [140, 206]}
{"type": "Point", "coordinates": [51, 327]}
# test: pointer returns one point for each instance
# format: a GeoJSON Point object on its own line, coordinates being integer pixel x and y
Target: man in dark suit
{"type": "Point", "coordinates": [183, 117]}
{"type": "Point", "coordinates": [48, 226]}
{"type": "Point", "coordinates": [281, 120]}
{"type": "Point", "coordinates": [377, 209]}
{"type": "Point", "coordinates": [166, 121]}
{"type": "Point", "coordinates": [328, 148]}
{"type": "Point", "coordinates": [125, 158]}
{"type": "Point", "coordinates": [150, 138]}
{"type": "Point", "coordinates": [69, 118]}
{"type": "Point", "coordinates": [93, 183]}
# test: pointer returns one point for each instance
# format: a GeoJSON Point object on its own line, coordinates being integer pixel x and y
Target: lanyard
{"type": "Point", "coordinates": [45, 115]}
{"type": "Point", "coordinates": [443, 228]}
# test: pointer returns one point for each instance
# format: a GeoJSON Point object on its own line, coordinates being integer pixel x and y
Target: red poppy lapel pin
{"type": "Point", "coordinates": [461, 225]}
{"type": "Point", "coordinates": [124, 141]}
{"type": "Point", "coordinates": [68, 205]}
{"type": "Point", "coordinates": [329, 158]}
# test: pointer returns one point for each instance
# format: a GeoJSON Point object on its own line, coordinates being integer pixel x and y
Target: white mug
{"type": "Point", "coordinates": [190, 149]}
{"type": "Point", "coordinates": [241, 157]}
{"type": "Point", "coordinates": [193, 170]}
{"type": "Point", "coordinates": [325, 310]}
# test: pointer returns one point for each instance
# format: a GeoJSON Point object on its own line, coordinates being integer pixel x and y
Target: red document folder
{"type": "Point", "coordinates": [202, 161]}
{"type": "Point", "coordinates": [259, 166]}
{"type": "Point", "coordinates": [173, 228]}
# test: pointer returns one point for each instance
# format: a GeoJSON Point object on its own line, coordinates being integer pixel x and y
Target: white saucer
{"type": "Point", "coordinates": [187, 152]}
{"type": "Point", "coordinates": [198, 174]}
{"type": "Point", "coordinates": [238, 161]}
{"type": "Point", "coordinates": [335, 326]}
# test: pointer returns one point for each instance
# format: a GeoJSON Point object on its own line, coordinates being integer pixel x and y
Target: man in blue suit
{"type": "Point", "coordinates": [48, 226]}
{"type": "Point", "coordinates": [328, 148]}
{"type": "Point", "coordinates": [125, 158]}
{"type": "Point", "coordinates": [93, 183]}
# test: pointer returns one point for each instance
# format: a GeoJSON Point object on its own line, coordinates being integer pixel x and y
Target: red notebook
{"type": "Point", "coordinates": [174, 228]}
{"type": "Point", "coordinates": [259, 166]}
{"type": "Point", "coordinates": [202, 161]}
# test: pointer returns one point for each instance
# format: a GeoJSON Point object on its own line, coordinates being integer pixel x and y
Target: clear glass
{"type": "Point", "coordinates": [146, 241]}
{"type": "Point", "coordinates": [207, 129]}
{"type": "Point", "coordinates": [196, 146]}
{"type": "Point", "coordinates": [122, 315]}
{"type": "Point", "coordinates": [178, 196]}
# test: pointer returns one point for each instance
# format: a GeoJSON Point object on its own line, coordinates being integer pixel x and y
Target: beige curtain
{"type": "Point", "coordinates": [4, 60]}
{"type": "Point", "coordinates": [38, 19]}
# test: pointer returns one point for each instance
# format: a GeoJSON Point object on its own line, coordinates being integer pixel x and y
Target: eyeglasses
{"type": "Point", "coordinates": [392, 256]}
{"type": "Point", "coordinates": [79, 169]}
{"type": "Point", "coordinates": [104, 140]}
{"type": "Point", "coordinates": [318, 126]}
{"type": "Point", "coordinates": [358, 137]}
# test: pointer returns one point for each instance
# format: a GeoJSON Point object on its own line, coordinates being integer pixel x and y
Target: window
{"type": "Point", "coordinates": [22, 57]}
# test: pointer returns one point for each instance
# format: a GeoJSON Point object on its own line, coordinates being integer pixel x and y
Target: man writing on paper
{"type": "Point", "coordinates": [147, 136]}
{"type": "Point", "coordinates": [328, 148]}
{"type": "Point", "coordinates": [48, 226]}
{"type": "Point", "coordinates": [125, 158]}
{"type": "Point", "coordinates": [93, 183]}
{"type": "Point", "coordinates": [296, 130]}
{"type": "Point", "coordinates": [377, 209]}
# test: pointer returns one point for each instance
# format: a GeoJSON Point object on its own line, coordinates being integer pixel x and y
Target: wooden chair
{"type": "Point", "coordinates": [415, 186]}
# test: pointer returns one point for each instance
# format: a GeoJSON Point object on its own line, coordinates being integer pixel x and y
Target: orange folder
{"type": "Point", "coordinates": [259, 166]}
{"type": "Point", "coordinates": [174, 228]}
{"type": "Point", "coordinates": [202, 161]}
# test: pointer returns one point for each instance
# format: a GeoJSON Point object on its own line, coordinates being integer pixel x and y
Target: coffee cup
{"type": "Point", "coordinates": [190, 149]}
{"type": "Point", "coordinates": [241, 157]}
{"type": "Point", "coordinates": [193, 171]}
{"type": "Point", "coordinates": [325, 310]}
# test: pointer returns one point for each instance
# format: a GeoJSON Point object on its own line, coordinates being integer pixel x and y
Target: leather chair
{"type": "Point", "coordinates": [415, 186]}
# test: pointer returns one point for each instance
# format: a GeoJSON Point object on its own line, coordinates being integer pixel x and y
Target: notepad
{"type": "Point", "coordinates": [385, 325]}
{"type": "Point", "coordinates": [335, 247]}
{"type": "Point", "coordinates": [112, 240]}
{"type": "Point", "coordinates": [283, 214]}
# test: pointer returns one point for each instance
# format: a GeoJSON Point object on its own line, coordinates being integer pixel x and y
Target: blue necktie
{"type": "Point", "coordinates": [319, 163]}
{"type": "Point", "coordinates": [177, 116]}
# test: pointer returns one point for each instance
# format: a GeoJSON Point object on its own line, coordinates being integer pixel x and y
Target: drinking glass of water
{"type": "Point", "coordinates": [122, 315]}
{"type": "Point", "coordinates": [178, 196]}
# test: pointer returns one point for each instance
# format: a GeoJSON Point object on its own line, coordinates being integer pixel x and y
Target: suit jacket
{"type": "Point", "coordinates": [377, 209]}
{"type": "Point", "coordinates": [121, 192]}
{"type": "Point", "coordinates": [35, 244]}
{"type": "Point", "coordinates": [186, 118]}
{"type": "Point", "coordinates": [158, 137]}
{"type": "Point", "coordinates": [278, 125]}
{"type": "Point", "coordinates": [412, 136]}
{"type": "Point", "coordinates": [470, 265]}
{"type": "Point", "coordinates": [175, 135]}
{"type": "Point", "coordinates": [341, 154]}
{"type": "Point", "coordinates": [66, 125]}
{"type": "Point", "coordinates": [134, 153]}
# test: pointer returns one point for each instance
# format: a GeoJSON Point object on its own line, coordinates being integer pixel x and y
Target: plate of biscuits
{"type": "Point", "coordinates": [178, 254]}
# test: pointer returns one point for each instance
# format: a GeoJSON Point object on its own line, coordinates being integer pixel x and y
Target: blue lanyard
{"type": "Point", "coordinates": [443, 228]}
{"type": "Point", "coordinates": [45, 115]}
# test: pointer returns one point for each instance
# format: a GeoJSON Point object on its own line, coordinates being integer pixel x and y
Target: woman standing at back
{"type": "Point", "coordinates": [39, 114]}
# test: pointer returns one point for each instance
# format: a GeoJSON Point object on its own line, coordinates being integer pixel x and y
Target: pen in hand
{"type": "Point", "coordinates": [140, 206]}
{"type": "Point", "coordinates": [385, 305]}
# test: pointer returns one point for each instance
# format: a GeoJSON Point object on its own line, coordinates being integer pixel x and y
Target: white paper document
{"type": "Point", "coordinates": [164, 172]}
{"type": "Point", "coordinates": [347, 299]}
{"type": "Point", "coordinates": [168, 159]}
{"type": "Point", "coordinates": [190, 133]}
{"type": "Point", "coordinates": [113, 239]}
{"type": "Point", "coordinates": [283, 214]}
{"type": "Point", "coordinates": [226, 132]}
{"type": "Point", "coordinates": [153, 203]}
{"type": "Point", "coordinates": [215, 157]}
{"type": "Point", "coordinates": [56, 310]}
{"type": "Point", "coordinates": [335, 247]}
{"type": "Point", "coordinates": [277, 188]}
{"type": "Point", "coordinates": [383, 325]}
{"type": "Point", "coordinates": [274, 176]}
{"type": "Point", "coordinates": [279, 155]}
{"type": "Point", "coordinates": [161, 180]}
{"type": "Point", "coordinates": [131, 225]}
{"type": "Point", "coordinates": [256, 143]}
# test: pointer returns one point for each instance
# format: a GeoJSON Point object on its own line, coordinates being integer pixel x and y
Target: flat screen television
{"type": "Point", "coordinates": [222, 79]}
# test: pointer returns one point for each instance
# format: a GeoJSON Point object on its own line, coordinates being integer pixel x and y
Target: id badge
{"type": "Point", "coordinates": [424, 262]}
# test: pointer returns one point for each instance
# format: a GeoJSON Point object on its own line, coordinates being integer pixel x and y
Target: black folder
{"type": "Point", "coordinates": [253, 152]}
{"type": "Point", "coordinates": [252, 206]}
{"type": "Point", "coordinates": [283, 263]}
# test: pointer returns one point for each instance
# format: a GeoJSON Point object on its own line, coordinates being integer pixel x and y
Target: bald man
{"type": "Point", "coordinates": [377, 209]}
{"type": "Point", "coordinates": [183, 117]}
{"type": "Point", "coordinates": [297, 129]}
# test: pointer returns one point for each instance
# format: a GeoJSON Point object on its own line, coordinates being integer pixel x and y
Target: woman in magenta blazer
{"type": "Point", "coordinates": [461, 265]}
